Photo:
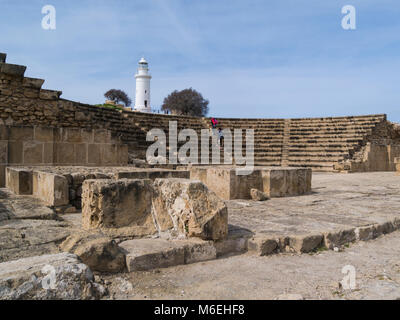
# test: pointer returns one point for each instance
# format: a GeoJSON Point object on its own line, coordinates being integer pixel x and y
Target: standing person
{"type": "Point", "coordinates": [221, 137]}
{"type": "Point", "coordinates": [214, 123]}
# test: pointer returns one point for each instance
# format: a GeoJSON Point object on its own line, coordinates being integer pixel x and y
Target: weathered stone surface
{"type": "Point", "coordinates": [147, 254]}
{"type": "Point", "coordinates": [12, 69]}
{"type": "Point", "coordinates": [19, 180]}
{"type": "Point", "coordinates": [58, 276]}
{"type": "Point", "coordinates": [339, 238]}
{"type": "Point", "coordinates": [262, 245]}
{"type": "Point", "coordinates": [50, 94]}
{"type": "Point", "coordinates": [20, 238]}
{"type": "Point", "coordinates": [306, 243]}
{"type": "Point", "coordinates": [188, 208]}
{"type": "Point", "coordinates": [97, 251]}
{"type": "Point", "coordinates": [153, 174]}
{"type": "Point", "coordinates": [258, 195]}
{"type": "Point", "coordinates": [32, 83]}
{"type": "Point", "coordinates": [273, 181]}
{"type": "Point", "coordinates": [51, 188]}
{"type": "Point", "coordinates": [22, 207]}
{"type": "Point", "coordinates": [197, 251]}
{"type": "Point", "coordinates": [116, 204]}
{"type": "Point", "coordinates": [283, 182]}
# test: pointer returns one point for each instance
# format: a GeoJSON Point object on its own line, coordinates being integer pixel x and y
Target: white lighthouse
{"type": "Point", "coordinates": [142, 101]}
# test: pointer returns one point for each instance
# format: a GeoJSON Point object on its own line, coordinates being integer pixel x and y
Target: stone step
{"type": "Point", "coordinates": [149, 254]}
{"type": "Point", "coordinates": [330, 133]}
{"type": "Point", "coordinates": [317, 155]}
{"type": "Point", "coordinates": [32, 83]}
{"type": "Point", "coordinates": [339, 137]}
{"type": "Point", "coordinates": [309, 162]}
{"type": "Point", "coordinates": [12, 69]}
{"type": "Point", "coordinates": [49, 94]}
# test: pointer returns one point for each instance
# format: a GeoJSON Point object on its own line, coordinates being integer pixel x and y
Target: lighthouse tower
{"type": "Point", "coordinates": [142, 100]}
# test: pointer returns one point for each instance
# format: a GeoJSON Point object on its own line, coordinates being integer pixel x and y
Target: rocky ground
{"type": "Point", "coordinates": [28, 228]}
{"type": "Point", "coordinates": [247, 276]}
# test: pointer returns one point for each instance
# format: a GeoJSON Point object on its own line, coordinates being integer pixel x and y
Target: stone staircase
{"type": "Point", "coordinates": [320, 143]}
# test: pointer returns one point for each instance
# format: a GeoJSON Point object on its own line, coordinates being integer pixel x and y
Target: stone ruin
{"type": "Point", "coordinates": [79, 159]}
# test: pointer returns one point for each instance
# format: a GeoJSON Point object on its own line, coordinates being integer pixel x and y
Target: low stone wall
{"type": "Point", "coordinates": [62, 186]}
{"type": "Point", "coordinates": [372, 157]}
{"type": "Point", "coordinates": [273, 181]}
{"type": "Point", "coordinates": [34, 145]}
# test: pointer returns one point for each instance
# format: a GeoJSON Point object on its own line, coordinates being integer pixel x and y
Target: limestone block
{"type": "Point", "coordinates": [147, 254]}
{"type": "Point", "coordinates": [87, 135]}
{"type": "Point", "coordinates": [306, 243]}
{"type": "Point", "coordinates": [97, 251]}
{"type": "Point", "coordinates": [3, 152]}
{"type": "Point", "coordinates": [43, 134]}
{"type": "Point", "coordinates": [49, 94]}
{"type": "Point", "coordinates": [15, 152]}
{"type": "Point", "coordinates": [94, 154]}
{"type": "Point", "coordinates": [102, 136]}
{"type": "Point", "coordinates": [12, 69]}
{"type": "Point", "coordinates": [19, 180]}
{"type": "Point", "coordinates": [339, 238]}
{"type": "Point", "coordinates": [31, 278]}
{"type": "Point", "coordinates": [33, 152]}
{"type": "Point", "coordinates": [262, 246]}
{"type": "Point", "coordinates": [48, 153]}
{"type": "Point", "coordinates": [199, 173]}
{"type": "Point", "coordinates": [80, 154]}
{"type": "Point", "coordinates": [64, 153]}
{"type": "Point", "coordinates": [282, 182]}
{"type": "Point", "coordinates": [258, 195]}
{"type": "Point", "coordinates": [51, 188]}
{"type": "Point", "coordinates": [273, 181]}
{"type": "Point", "coordinates": [4, 132]}
{"type": "Point", "coordinates": [20, 133]}
{"type": "Point", "coordinates": [188, 208]}
{"type": "Point", "coordinates": [2, 176]}
{"type": "Point", "coordinates": [32, 83]}
{"type": "Point", "coordinates": [397, 164]}
{"type": "Point", "coordinates": [116, 203]}
{"type": "Point", "coordinates": [108, 154]}
{"type": "Point", "coordinates": [199, 251]}
{"type": "Point", "coordinates": [73, 135]}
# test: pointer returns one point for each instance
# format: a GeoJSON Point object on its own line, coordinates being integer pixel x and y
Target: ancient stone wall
{"type": "Point", "coordinates": [37, 145]}
{"type": "Point", "coordinates": [319, 143]}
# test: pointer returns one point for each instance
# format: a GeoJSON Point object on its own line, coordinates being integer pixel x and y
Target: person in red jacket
{"type": "Point", "coordinates": [214, 123]}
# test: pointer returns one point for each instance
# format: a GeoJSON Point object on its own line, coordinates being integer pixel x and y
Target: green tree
{"type": "Point", "coordinates": [186, 102]}
{"type": "Point", "coordinates": [118, 96]}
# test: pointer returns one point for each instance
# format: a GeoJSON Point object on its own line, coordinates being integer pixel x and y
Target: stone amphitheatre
{"type": "Point", "coordinates": [84, 216]}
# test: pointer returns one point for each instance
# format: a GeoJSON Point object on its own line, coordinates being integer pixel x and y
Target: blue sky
{"type": "Point", "coordinates": [249, 58]}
